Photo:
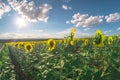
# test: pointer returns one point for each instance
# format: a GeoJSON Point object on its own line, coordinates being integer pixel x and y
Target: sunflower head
{"type": "Point", "coordinates": [99, 38]}
{"type": "Point", "coordinates": [51, 44]}
{"type": "Point", "coordinates": [73, 30]}
{"type": "Point", "coordinates": [72, 42]}
{"type": "Point", "coordinates": [20, 44]}
{"type": "Point", "coordinates": [86, 41]}
{"type": "Point", "coordinates": [110, 40]}
{"type": "Point", "coordinates": [66, 40]}
{"type": "Point", "coordinates": [28, 47]}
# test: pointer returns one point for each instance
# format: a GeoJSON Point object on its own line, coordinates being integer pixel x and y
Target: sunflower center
{"type": "Point", "coordinates": [51, 44]}
{"type": "Point", "coordinates": [28, 47]}
{"type": "Point", "coordinates": [98, 38]}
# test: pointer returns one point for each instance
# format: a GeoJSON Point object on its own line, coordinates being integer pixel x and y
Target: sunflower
{"type": "Point", "coordinates": [72, 36]}
{"type": "Point", "coordinates": [20, 44]}
{"type": "Point", "coordinates": [51, 44]}
{"type": "Point", "coordinates": [110, 40]}
{"type": "Point", "coordinates": [66, 40]}
{"type": "Point", "coordinates": [72, 42]}
{"type": "Point", "coordinates": [60, 41]}
{"type": "Point", "coordinates": [99, 38]}
{"type": "Point", "coordinates": [85, 41]}
{"type": "Point", "coordinates": [13, 44]}
{"type": "Point", "coordinates": [28, 47]}
{"type": "Point", "coordinates": [73, 30]}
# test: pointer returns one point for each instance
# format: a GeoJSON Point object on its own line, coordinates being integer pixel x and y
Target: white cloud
{"type": "Point", "coordinates": [25, 35]}
{"type": "Point", "coordinates": [106, 32]}
{"type": "Point", "coordinates": [21, 36]}
{"type": "Point", "coordinates": [39, 30]}
{"type": "Point", "coordinates": [78, 34]}
{"type": "Point", "coordinates": [85, 20]}
{"type": "Point", "coordinates": [118, 29]}
{"type": "Point", "coordinates": [65, 32]}
{"type": "Point", "coordinates": [65, 7]}
{"type": "Point", "coordinates": [67, 22]}
{"type": "Point", "coordinates": [60, 34]}
{"type": "Point", "coordinates": [67, 1]}
{"type": "Point", "coordinates": [3, 8]}
{"type": "Point", "coordinates": [30, 11]}
{"type": "Point", "coordinates": [11, 35]}
{"type": "Point", "coordinates": [86, 29]}
{"type": "Point", "coordinates": [112, 17]}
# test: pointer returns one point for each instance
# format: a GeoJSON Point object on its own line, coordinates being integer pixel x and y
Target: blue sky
{"type": "Point", "coordinates": [55, 18]}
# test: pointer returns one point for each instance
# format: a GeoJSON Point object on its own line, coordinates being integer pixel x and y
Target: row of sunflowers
{"type": "Point", "coordinates": [6, 68]}
{"type": "Point", "coordinates": [98, 41]}
{"type": "Point", "coordinates": [95, 58]}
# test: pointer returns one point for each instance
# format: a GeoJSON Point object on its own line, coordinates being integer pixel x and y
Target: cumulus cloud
{"type": "Point", "coordinates": [67, 1]}
{"type": "Point", "coordinates": [3, 8]}
{"type": "Point", "coordinates": [65, 32]}
{"type": "Point", "coordinates": [11, 35]}
{"type": "Point", "coordinates": [118, 29]}
{"type": "Point", "coordinates": [112, 17]}
{"type": "Point", "coordinates": [78, 34]}
{"type": "Point", "coordinates": [61, 34]}
{"type": "Point", "coordinates": [67, 22]}
{"type": "Point", "coordinates": [20, 36]}
{"type": "Point", "coordinates": [65, 7]}
{"type": "Point", "coordinates": [82, 34]}
{"type": "Point", "coordinates": [39, 30]}
{"type": "Point", "coordinates": [108, 31]}
{"type": "Point", "coordinates": [23, 36]}
{"type": "Point", "coordinates": [85, 20]}
{"type": "Point", "coordinates": [30, 11]}
{"type": "Point", "coordinates": [86, 29]}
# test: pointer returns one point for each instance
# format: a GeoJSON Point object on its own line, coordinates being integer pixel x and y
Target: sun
{"type": "Point", "coordinates": [20, 22]}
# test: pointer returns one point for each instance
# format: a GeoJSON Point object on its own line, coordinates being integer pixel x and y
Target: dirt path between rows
{"type": "Point", "coordinates": [19, 73]}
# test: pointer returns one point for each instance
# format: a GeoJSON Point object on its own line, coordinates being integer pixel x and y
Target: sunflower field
{"type": "Point", "coordinates": [94, 58]}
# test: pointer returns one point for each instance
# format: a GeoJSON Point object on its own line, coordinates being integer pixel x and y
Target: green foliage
{"type": "Point", "coordinates": [6, 68]}
{"type": "Point", "coordinates": [67, 62]}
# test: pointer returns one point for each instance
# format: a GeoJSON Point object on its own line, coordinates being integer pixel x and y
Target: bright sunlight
{"type": "Point", "coordinates": [20, 22]}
